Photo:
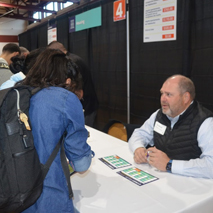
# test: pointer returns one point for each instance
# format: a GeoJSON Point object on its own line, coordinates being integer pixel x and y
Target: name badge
{"type": "Point", "coordinates": [159, 128]}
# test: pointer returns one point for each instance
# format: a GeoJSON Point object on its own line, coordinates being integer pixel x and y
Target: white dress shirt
{"type": "Point", "coordinates": [199, 167]}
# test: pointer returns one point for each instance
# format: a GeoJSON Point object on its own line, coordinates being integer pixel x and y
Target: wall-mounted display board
{"type": "Point", "coordinates": [52, 33]}
{"type": "Point", "coordinates": [86, 20]}
{"type": "Point", "coordinates": [160, 20]}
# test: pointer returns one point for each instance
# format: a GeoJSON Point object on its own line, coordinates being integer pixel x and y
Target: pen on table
{"type": "Point", "coordinates": [147, 157]}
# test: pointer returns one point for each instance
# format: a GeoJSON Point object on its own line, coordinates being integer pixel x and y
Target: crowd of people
{"type": "Point", "coordinates": [177, 138]}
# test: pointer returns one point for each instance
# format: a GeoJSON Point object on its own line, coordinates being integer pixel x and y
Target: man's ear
{"type": "Point", "coordinates": [68, 81]}
{"type": "Point", "coordinates": [187, 97]}
{"type": "Point", "coordinates": [15, 54]}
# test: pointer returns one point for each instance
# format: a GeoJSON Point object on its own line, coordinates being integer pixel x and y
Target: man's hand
{"type": "Point", "coordinates": [158, 159]}
{"type": "Point", "coordinates": [140, 155]}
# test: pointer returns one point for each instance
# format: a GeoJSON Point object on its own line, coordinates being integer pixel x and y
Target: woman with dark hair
{"type": "Point", "coordinates": [56, 109]}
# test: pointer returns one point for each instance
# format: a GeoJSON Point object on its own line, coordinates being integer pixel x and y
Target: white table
{"type": "Point", "coordinates": [102, 190]}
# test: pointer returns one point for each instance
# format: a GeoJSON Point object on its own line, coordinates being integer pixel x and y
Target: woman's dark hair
{"type": "Point", "coordinates": [52, 68]}
{"type": "Point", "coordinates": [31, 59]}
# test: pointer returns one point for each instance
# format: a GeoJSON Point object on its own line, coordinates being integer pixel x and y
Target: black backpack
{"type": "Point", "coordinates": [21, 173]}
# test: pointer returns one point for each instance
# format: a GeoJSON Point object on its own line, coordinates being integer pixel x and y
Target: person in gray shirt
{"type": "Point", "coordinates": [9, 50]}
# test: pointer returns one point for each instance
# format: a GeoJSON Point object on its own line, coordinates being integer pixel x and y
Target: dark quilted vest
{"type": "Point", "coordinates": [181, 143]}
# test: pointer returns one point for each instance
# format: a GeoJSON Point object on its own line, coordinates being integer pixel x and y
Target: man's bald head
{"type": "Point", "coordinates": [57, 45]}
{"type": "Point", "coordinates": [185, 84]}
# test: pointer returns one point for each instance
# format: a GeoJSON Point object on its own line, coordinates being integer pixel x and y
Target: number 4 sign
{"type": "Point", "coordinates": [119, 10]}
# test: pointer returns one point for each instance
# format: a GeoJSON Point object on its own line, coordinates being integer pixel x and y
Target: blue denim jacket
{"type": "Point", "coordinates": [52, 111]}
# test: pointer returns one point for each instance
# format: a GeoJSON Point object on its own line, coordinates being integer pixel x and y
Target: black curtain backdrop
{"type": "Point", "coordinates": [25, 41]}
{"type": "Point", "coordinates": [104, 50]}
{"type": "Point", "coordinates": [202, 51]}
{"type": "Point", "coordinates": [152, 63]}
{"type": "Point", "coordinates": [63, 31]}
{"type": "Point", "coordinates": [42, 36]}
{"type": "Point", "coordinates": [33, 37]}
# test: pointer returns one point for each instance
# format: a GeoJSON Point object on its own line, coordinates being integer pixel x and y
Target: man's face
{"type": "Point", "coordinates": [172, 101]}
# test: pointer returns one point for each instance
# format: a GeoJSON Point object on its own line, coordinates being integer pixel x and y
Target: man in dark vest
{"type": "Point", "coordinates": [180, 133]}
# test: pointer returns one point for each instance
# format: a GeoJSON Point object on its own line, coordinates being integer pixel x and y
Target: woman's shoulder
{"type": "Point", "coordinates": [58, 93]}
{"type": "Point", "coordinates": [56, 90]}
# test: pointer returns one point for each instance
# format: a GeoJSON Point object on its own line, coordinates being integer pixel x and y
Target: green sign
{"type": "Point", "coordinates": [89, 19]}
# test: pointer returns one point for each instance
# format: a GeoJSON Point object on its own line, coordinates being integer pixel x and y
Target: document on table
{"type": "Point", "coordinates": [137, 176]}
{"type": "Point", "coordinates": [114, 161]}
{"type": "Point", "coordinates": [133, 174]}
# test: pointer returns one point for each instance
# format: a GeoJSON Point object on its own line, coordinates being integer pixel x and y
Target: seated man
{"type": "Point", "coordinates": [181, 133]}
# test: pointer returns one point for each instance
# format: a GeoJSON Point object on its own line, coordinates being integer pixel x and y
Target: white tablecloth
{"type": "Point", "coordinates": [102, 190]}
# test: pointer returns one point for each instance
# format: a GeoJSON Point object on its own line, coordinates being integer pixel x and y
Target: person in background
{"type": "Point", "coordinates": [56, 109]}
{"type": "Point", "coordinates": [181, 133]}
{"type": "Point", "coordinates": [18, 61]}
{"type": "Point", "coordinates": [17, 64]}
{"type": "Point", "coordinates": [24, 52]}
{"type": "Point", "coordinates": [89, 100]}
{"type": "Point", "coordinates": [20, 67]}
{"type": "Point", "coordinates": [57, 45]}
{"type": "Point", "coordinates": [9, 50]}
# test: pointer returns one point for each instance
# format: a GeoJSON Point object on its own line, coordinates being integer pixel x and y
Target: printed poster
{"type": "Point", "coordinates": [52, 33]}
{"type": "Point", "coordinates": [160, 20]}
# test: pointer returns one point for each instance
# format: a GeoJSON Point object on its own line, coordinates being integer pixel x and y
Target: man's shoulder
{"type": "Point", "coordinates": [2, 60]}
{"type": "Point", "coordinates": [5, 75]}
{"type": "Point", "coordinates": [154, 114]}
{"type": "Point", "coordinates": [3, 64]}
{"type": "Point", "coordinates": [74, 56]}
{"type": "Point", "coordinates": [204, 110]}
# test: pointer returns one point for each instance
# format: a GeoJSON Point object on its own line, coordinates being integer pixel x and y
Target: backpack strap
{"type": "Point", "coordinates": [63, 163]}
{"type": "Point", "coordinates": [4, 92]}
{"type": "Point", "coordinates": [35, 90]}
{"type": "Point", "coordinates": [51, 158]}
{"type": "Point", "coordinates": [66, 169]}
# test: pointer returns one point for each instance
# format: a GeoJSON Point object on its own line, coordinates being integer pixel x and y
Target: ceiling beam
{"type": "Point", "coordinates": [7, 13]}
{"type": "Point", "coordinates": [16, 16]}
{"type": "Point", "coordinates": [31, 8]}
